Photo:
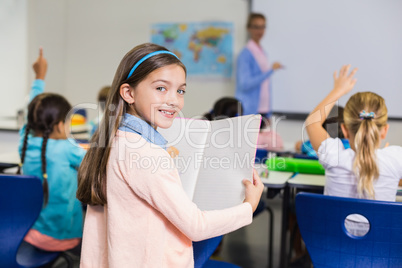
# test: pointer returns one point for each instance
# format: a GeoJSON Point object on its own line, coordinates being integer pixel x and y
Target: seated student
{"type": "Point", "coordinates": [364, 170]}
{"type": "Point", "coordinates": [268, 139]}
{"type": "Point", "coordinates": [48, 154]}
{"type": "Point", "coordinates": [102, 96]}
{"type": "Point", "coordinates": [224, 108]}
{"type": "Point", "coordinates": [333, 126]}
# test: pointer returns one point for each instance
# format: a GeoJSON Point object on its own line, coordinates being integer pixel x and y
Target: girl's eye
{"type": "Point", "coordinates": [162, 89]}
{"type": "Point", "coordinates": [181, 91]}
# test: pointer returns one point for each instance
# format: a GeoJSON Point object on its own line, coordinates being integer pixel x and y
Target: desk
{"type": "Point", "coordinates": [307, 181]}
{"type": "Point", "coordinates": [9, 160]}
{"type": "Point", "coordinates": [277, 181]}
{"type": "Point", "coordinates": [9, 124]}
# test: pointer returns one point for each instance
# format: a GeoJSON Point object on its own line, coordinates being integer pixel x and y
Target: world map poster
{"type": "Point", "coordinates": [205, 48]}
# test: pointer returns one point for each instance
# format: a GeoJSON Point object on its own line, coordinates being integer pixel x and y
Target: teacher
{"type": "Point", "coordinates": [253, 87]}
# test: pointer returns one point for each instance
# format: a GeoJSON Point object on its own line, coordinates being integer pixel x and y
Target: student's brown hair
{"type": "Point", "coordinates": [44, 112]}
{"type": "Point", "coordinates": [253, 16]}
{"type": "Point", "coordinates": [224, 108]}
{"type": "Point", "coordinates": [367, 137]}
{"type": "Point", "coordinates": [102, 96]}
{"type": "Point", "coordinates": [92, 172]}
{"type": "Point", "coordinates": [333, 122]}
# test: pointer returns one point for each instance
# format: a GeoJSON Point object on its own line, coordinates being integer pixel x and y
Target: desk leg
{"type": "Point", "coordinates": [271, 236]}
{"type": "Point", "coordinates": [285, 209]}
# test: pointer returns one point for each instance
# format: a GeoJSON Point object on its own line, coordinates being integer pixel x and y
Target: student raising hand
{"type": "Point", "coordinates": [345, 81]}
{"type": "Point", "coordinates": [40, 66]}
{"type": "Point", "coordinates": [343, 84]}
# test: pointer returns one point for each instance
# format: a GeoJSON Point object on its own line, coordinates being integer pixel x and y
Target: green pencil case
{"type": "Point", "coordinates": [295, 165]}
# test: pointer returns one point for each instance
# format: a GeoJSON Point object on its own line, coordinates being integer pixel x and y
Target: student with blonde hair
{"type": "Point", "coordinates": [365, 170]}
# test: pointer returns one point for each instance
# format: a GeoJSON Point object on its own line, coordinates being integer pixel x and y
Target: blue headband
{"type": "Point", "coordinates": [148, 56]}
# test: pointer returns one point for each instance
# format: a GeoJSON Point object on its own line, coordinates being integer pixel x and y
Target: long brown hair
{"type": "Point", "coordinates": [367, 137]}
{"type": "Point", "coordinates": [44, 112]}
{"type": "Point", "coordinates": [92, 172]}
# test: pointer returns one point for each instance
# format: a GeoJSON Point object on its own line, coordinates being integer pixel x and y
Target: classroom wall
{"type": "Point", "coordinates": [84, 42]}
{"type": "Point", "coordinates": [13, 55]}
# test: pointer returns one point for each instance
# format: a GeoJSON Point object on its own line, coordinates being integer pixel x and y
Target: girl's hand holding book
{"type": "Point", "coordinates": [253, 190]}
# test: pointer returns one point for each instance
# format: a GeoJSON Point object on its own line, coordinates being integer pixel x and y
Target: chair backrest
{"type": "Point", "coordinates": [203, 250]}
{"type": "Point", "coordinates": [21, 199]}
{"type": "Point", "coordinates": [261, 155]}
{"type": "Point", "coordinates": [321, 221]}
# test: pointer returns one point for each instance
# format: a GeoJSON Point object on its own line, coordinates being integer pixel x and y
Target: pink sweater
{"type": "Point", "coordinates": [149, 221]}
{"type": "Point", "coordinates": [269, 140]}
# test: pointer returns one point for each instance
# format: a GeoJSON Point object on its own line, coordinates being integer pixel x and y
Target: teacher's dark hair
{"type": "Point", "coordinates": [254, 16]}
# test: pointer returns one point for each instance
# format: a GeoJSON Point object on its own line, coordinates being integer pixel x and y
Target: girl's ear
{"type": "Point", "coordinates": [127, 93]}
{"type": "Point", "coordinates": [345, 131]}
{"type": "Point", "coordinates": [58, 128]}
{"type": "Point", "coordinates": [384, 131]}
{"type": "Point", "coordinates": [59, 131]}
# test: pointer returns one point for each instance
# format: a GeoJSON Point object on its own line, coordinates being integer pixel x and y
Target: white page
{"type": "Point", "coordinates": [228, 159]}
{"type": "Point", "coordinates": [189, 136]}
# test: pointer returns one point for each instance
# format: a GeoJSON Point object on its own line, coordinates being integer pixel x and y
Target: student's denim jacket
{"type": "Point", "coordinates": [133, 124]}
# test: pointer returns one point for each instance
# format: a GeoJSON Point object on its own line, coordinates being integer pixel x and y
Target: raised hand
{"type": "Point", "coordinates": [40, 66]}
{"type": "Point", "coordinates": [345, 81]}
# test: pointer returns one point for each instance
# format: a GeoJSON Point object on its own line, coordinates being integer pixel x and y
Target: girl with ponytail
{"type": "Point", "coordinates": [48, 154]}
{"type": "Point", "coordinates": [365, 170]}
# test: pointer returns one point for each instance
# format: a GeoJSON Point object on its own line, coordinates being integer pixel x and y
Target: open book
{"type": "Point", "coordinates": [213, 157]}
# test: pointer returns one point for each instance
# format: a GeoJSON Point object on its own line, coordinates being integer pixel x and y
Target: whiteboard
{"type": "Point", "coordinates": [313, 38]}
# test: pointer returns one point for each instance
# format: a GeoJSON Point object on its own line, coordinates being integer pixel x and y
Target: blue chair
{"type": "Point", "coordinates": [219, 264]}
{"type": "Point", "coordinates": [21, 199]}
{"type": "Point", "coordinates": [321, 222]}
{"type": "Point", "coordinates": [261, 156]}
{"type": "Point", "coordinates": [203, 250]}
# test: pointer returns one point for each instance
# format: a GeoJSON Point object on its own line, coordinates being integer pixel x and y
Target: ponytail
{"type": "Point", "coordinates": [24, 148]}
{"type": "Point", "coordinates": [365, 166]}
{"type": "Point", "coordinates": [366, 127]}
{"type": "Point", "coordinates": [46, 134]}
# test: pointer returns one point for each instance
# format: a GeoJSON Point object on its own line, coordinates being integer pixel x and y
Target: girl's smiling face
{"type": "Point", "coordinates": [159, 97]}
